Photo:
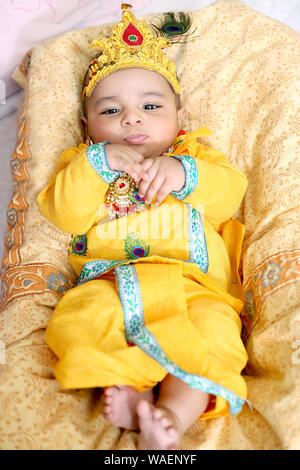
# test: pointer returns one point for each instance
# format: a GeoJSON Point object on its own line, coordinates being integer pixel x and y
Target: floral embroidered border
{"type": "Point", "coordinates": [18, 205]}
{"type": "Point", "coordinates": [96, 155]}
{"type": "Point", "coordinates": [274, 273]}
{"type": "Point", "coordinates": [137, 333]}
{"type": "Point", "coordinates": [198, 245]}
{"type": "Point", "coordinates": [39, 278]}
{"type": "Point", "coordinates": [25, 63]}
{"type": "Point", "coordinates": [191, 176]}
{"type": "Point", "coordinates": [93, 269]}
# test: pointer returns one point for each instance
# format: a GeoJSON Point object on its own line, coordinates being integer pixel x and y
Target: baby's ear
{"type": "Point", "coordinates": [181, 115]}
{"type": "Point", "coordinates": [83, 122]}
{"type": "Point", "coordinates": [86, 138]}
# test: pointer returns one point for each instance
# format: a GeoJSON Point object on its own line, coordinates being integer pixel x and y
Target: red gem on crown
{"type": "Point", "coordinates": [132, 36]}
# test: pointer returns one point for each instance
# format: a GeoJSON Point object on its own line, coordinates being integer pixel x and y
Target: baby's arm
{"type": "Point", "coordinates": [208, 182]}
{"type": "Point", "coordinates": [213, 186]}
{"type": "Point", "coordinates": [75, 190]}
{"type": "Point", "coordinates": [78, 185]}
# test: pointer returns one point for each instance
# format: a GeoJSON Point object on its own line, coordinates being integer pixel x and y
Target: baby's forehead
{"type": "Point", "coordinates": [137, 81]}
{"type": "Point", "coordinates": [137, 75]}
{"type": "Point", "coordinates": [133, 78]}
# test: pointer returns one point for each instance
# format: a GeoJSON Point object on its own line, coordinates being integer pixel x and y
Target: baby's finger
{"type": "Point", "coordinates": [162, 193]}
{"type": "Point", "coordinates": [133, 155]}
{"type": "Point", "coordinates": [136, 172]}
{"type": "Point", "coordinates": [147, 163]}
{"type": "Point", "coordinates": [144, 183]}
{"type": "Point", "coordinates": [153, 189]}
{"type": "Point", "coordinates": [141, 172]}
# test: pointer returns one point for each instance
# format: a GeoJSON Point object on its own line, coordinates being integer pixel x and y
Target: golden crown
{"type": "Point", "coordinates": [131, 45]}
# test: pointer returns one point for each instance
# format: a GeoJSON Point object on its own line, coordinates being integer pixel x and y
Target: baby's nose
{"type": "Point", "coordinates": [131, 118]}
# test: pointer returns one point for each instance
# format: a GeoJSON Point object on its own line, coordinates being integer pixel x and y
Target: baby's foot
{"type": "Point", "coordinates": [158, 428]}
{"type": "Point", "coordinates": [119, 405]}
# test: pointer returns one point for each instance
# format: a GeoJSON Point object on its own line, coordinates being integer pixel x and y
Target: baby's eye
{"type": "Point", "coordinates": [110, 111]}
{"type": "Point", "coordinates": [151, 106]}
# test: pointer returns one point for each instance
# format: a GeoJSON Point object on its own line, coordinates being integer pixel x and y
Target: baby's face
{"type": "Point", "coordinates": [137, 108]}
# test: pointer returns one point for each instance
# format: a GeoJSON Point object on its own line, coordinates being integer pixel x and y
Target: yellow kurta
{"type": "Point", "coordinates": [158, 290]}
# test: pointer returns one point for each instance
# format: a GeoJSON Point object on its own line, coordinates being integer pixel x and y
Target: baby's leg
{"type": "Point", "coordinates": [178, 407]}
{"type": "Point", "coordinates": [120, 403]}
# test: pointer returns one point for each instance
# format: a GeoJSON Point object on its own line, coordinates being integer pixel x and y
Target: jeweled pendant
{"type": "Point", "coordinates": [121, 197]}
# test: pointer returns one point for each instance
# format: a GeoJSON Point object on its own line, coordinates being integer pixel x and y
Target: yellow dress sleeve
{"type": "Point", "coordinates": [216, 187]}
{"type": "Point", "coordinates": [76, 189]}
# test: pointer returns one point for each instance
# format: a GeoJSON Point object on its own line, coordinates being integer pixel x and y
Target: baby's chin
{"type": "Point", "coordinates": [149, 151]}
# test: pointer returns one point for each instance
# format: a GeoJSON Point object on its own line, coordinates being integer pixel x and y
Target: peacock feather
{"type": "Point", "coordinates": [79, 245]}
{"type": "Point", "coordinates": [135, 247]}
{"type": "Point", "coordinates": [173, 25]}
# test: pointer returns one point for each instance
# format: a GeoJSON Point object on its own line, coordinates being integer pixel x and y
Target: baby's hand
{"type": "Point", "coordinates": [166, 174]}
{"type": "Point", "coordinates": [122, 158]}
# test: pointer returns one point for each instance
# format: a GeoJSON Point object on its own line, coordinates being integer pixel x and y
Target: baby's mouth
{"type": "Point", "coordinates": [136, 139]}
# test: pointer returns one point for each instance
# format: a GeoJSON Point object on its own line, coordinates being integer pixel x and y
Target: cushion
{"type": "Point", "coordinates": [239, 77]}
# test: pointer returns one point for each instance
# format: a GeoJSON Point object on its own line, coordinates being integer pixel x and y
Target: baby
{"type": "Point", "coordinates": [151, 320]}
{"type": "Point", "coordinates": [141, 119]}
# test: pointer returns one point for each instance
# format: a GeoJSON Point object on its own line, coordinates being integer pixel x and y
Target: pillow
{"type": "Point", "coordinates": [239, 77]}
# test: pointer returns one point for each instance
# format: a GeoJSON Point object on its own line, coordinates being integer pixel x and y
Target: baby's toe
{"type": "Point", "coordinates": [108, 412]}
{"type": "Point", "coordinates": [157, 413]}
{"type": "Point", "coordinates": [143, 409]}
{"type": "Point", "coordinates": [172, 432]}
{"type": "Point", "coordinates": [166, 422]}
{"type": "Point", "coordinates": [163, 418]}
{"type": "Point", "coordinates": [107, 400]}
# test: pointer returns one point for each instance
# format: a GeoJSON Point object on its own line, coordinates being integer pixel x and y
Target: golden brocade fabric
{"type": "Point", "coordinates": [239, 77]}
